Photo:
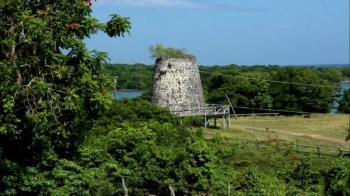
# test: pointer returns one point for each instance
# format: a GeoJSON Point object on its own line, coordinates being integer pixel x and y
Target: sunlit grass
{"type": "Point", "coordinates": [307, 130]}
{"type": "Point", "coordinates": [333, 125]}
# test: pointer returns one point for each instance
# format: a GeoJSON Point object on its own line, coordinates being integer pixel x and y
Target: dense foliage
{"type": "Point", "coordinates": [137, 76]}
{"type": "Point", "coordinates": [307, 89]}
{"type": "Point", "coordinates": [337, 178]}
{"type": "Point", "coordinates": [50, 87]}
{"type": "Point", "coordinates": [150, 151]}
{"type": "Point", "coordinates": [62, 134]}
{"type": "Point", "coordinates": [344, 102]}
{"type": "Point", "coordinates": [303, 90]}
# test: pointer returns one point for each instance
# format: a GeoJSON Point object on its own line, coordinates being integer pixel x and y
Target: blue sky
{"type": "Point", "coordinates": [223, 32]}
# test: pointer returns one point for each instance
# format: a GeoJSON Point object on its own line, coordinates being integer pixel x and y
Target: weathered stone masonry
{"type": "Point", "coordinates": [177, 85]}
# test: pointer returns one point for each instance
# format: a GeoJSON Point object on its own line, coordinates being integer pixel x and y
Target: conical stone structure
{"type": "Point", "coordinates": [177, 85]}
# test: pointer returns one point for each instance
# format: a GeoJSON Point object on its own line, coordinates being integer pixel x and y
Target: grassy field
{"type": "Point", "coordinates": [329, 130]}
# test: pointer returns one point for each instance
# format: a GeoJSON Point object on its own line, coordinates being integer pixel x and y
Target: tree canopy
{"type": "Point", "coordinates": [50, 84]}
{"type": "Point", "coordinates": [62, 134]}
{"type": "Point", "coordinates": [344, 102]}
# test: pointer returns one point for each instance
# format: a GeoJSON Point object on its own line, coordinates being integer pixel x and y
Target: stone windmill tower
{"type": "Point", "coordinates": [177, 85]}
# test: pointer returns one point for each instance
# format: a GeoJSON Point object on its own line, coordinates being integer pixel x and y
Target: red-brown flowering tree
{"type": "Point", "coordinates": [49, 81]}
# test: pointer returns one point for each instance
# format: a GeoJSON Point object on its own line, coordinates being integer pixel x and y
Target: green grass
{"type": "Point", "coordinates": [246, 156]}
{"type": "Point", "coordinates": [332, 126]}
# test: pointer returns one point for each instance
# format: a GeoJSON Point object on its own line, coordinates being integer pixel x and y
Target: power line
{"type": "Point", "coordinates": [273, 81]}
{"type": "Point", "coordinates": [272, 110]}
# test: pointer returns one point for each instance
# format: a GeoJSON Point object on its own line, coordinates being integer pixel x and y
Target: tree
{"type": "Point", "coordinates": [247, 89]}
{"type": "Point", "coordinates": [333, 74]}
{"type": "Point", "coordinates": [344, 102]}
{"type": "Point", "coordinates": [49, 82]}
{"type": "Point", "coordinates": [301, 89]}
{"type": "Point", "coordinates": [131, 76]}
{"type": "Point", "coordinates": [150, 148]}
{"type": "Point", "coordinates": [337, 178]}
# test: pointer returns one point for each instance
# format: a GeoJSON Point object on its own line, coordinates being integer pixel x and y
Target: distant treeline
{"type": "Point", "coordinates": [291, 88]}
{"type": "Point", "coordinates": [137, 76]}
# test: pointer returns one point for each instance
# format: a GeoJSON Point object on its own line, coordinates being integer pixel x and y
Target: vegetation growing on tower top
{"type": "Point", "coordinates": [158, 51]}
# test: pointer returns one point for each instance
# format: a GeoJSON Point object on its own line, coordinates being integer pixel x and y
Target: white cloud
{"type": "Point", "coordinates": [152, 3]}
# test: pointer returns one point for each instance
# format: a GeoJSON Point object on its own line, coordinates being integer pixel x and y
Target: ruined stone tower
{"type": "Point", "coordinates": [177, 85]}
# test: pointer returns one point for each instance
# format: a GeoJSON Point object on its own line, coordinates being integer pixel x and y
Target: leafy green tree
{"type": "Point", "coordinates": [301, 89]}
{"type": "Point", "coordinates": [247, 89]}
{"type": "Point", "coordinates": [345, 72]}
{"type": "Point", "coordinates": [49, 82]}
{"type": "Point", "coordinates": [344, 102]}
{"type": "Point", "coordinates": [337, 178]}
{"type": "Point", "coordinates": [131, 76]}
{"type": "Point", "coordinates": [148, 148]}
{"type": "Point", "coordinates": [250, 181]}
{"type": "Point", "coordinates": [301, 177]}
{"type": "Point", "coordinates": [332, 74]}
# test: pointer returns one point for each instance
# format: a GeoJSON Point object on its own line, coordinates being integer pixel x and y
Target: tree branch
{"type": "Point", "coordinates": [126, 192]}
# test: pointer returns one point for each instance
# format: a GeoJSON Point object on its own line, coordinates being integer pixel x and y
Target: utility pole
{"type": "Point", "coordinates": [115, 86]}
{"type": "Point", "coordinates": [231, 106]}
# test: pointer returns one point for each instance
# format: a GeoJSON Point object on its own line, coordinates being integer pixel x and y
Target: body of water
{"type": "Point", "coordinates": [127, 94]}
{"type": "Point", "coordinates": [343, 85]}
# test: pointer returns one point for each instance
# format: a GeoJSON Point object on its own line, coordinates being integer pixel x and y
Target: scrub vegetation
{"type": "Point", "coordinates": [61, 133]}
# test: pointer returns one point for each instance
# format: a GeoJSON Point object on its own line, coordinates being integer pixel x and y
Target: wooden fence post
{"type": "Point", "coordinates": [296, 143]}
{"type": "Point", "coordinates": [258, 143]}
{"type": "Point", "coordinates": [318, 150]}
{"type": "Point", "coordinates": [340, 152]}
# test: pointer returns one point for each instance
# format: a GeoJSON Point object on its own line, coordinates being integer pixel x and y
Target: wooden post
{"type": "Point", "coordinates": [340, 152]}
{"type": "Point", "coordinates": [215, 121]}
{"type": "Point", "coordinates": [318, 150]}
{"type": "Point", "coordinates": [296, 143]}
{"type": "Point", "coordinates": [223, 122]}
{"type": "Point", "coordinates": [258, 143]}
{"type": "Point", "coordinates": [229, 121]}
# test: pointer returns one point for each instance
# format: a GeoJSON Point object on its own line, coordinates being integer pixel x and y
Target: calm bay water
{"type": "Point", "coordinates": [345, 85]}
{"type": "Point", "coordinates": [127, 94]}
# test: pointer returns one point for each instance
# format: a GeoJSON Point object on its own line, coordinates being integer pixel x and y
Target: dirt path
{"type": "Point", "coordinates": [315, 136]}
